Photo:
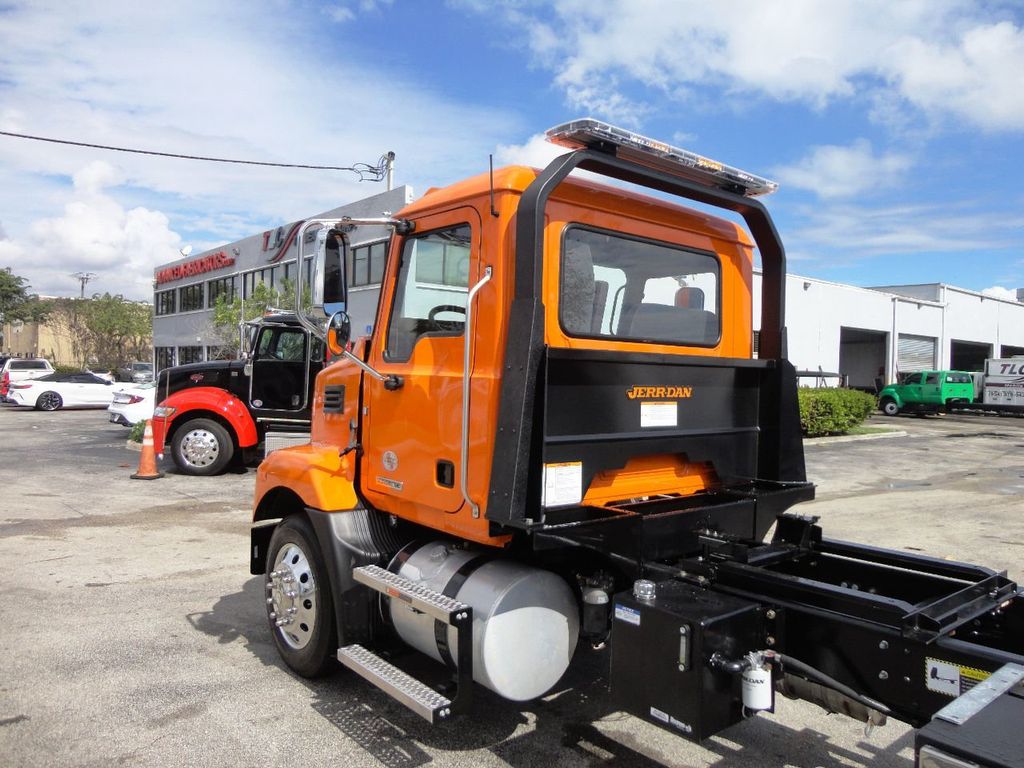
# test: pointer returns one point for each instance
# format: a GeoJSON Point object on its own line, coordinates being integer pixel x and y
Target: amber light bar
{"type": "Point", "coordinates": [594, 134]}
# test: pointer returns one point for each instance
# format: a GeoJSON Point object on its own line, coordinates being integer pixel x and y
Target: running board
{"type": "Point", "coordinates": [445, 610]}
{"type": "Point", "coordinates": [403, 688]}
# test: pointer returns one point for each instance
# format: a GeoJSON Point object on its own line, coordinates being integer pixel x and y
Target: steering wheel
{"type": "Point", "coordinates": [445, 325]}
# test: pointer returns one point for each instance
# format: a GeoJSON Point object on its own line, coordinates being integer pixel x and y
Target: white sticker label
{"type": "Point", "coordinates": [657, 714]}
{"type": "Point", "coordinates": [951, 679]}
{"type": "Point", "coordinates": [627, 614]}
{"type": "Point", "coordinates": [684, 727]}
{"type": "Point", "coordinates": [942, 677]}
{"type": "Point", "coordinates": [563, 484]}
{"type": "Point", "coordinates": [659, 414]}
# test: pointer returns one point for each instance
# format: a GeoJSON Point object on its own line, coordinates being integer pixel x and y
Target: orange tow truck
{"type": "Point", "coordinates": [557, 441]}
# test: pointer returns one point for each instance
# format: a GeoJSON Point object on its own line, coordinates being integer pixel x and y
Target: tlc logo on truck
{"type": "Point", "coordinates": [1011, 369]}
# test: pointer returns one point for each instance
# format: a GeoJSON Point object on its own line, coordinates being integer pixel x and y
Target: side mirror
{"type": "Point", "coordinates": [330, 283]}
{"type": "Point", "coordinates": [339, 331]}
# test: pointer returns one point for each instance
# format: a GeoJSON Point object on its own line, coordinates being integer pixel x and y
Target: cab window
{"type": "Point", "coordinates": [616, 286]}
{"type": "Point", "coordinates": [430, 295]}
{"type": "Point", "coordinates": [932, 378]}
{"type": "Point", "coordinates": [281, 344]}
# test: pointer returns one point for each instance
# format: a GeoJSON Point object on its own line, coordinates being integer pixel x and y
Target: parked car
{"type": "Point", "coordinates": [137, 372]}
{"type": "Point", "coordinates": [133, 404]}
{"type": "Point", "coordinates": [20, 368]}
{"type": "Point", "coordinates": [926, 392]}
{"type": "Point", "coordinates": [62, 390]}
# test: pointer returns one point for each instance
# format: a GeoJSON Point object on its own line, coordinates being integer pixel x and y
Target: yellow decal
{"type": "Point", "coordinates": [639, 393]}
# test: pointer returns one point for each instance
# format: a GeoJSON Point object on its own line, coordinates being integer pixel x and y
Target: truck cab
{"type": "Point", "coordinates": [557, 441]}
{"type": "Point", "coordinates": [926, 392]}
{"type": "Point", "coordinates": [210, 412]}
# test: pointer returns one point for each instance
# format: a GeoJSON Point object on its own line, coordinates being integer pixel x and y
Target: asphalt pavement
{"type": "Point", "coordinates": [133, 633]}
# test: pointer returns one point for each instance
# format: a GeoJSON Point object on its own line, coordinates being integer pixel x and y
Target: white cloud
{"type": "Point", "coordinates": [834, 171]}
{"type": "Point", "coordinates": [860, 232]}
{"type": "Point", "coordinates": [1001, 293]}
{"type": "Point", "coordinates": [255, 83]}
{"type": "Point", "coordinates": [945, 57]}
{"type": "Point", "coordinates": [537, 152]}
{"type": "Point", "coordinates": [94, 234]}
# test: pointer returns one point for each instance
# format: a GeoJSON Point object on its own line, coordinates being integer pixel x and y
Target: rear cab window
{"type": "Point", "coordinates": [616, 286]}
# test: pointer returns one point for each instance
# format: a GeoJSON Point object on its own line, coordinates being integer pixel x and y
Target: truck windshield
{"type": "Point", "coordinates": [617, 286]}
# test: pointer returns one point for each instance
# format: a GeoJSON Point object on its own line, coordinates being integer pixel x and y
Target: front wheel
{"type": "Point", "coordinates": [889, 407]}
{"type": "Point", "coordinates": [299, 604]}
{"type": "Point", "coordinates": [202, 447]}
{"type": "Point", "coordinates": [49, 401]}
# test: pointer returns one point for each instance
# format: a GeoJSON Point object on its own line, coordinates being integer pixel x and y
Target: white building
{"type": "Point", "coordinates": [858, 332]}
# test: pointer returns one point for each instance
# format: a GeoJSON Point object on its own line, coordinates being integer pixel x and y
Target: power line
{"type": "Point", "coordinates": [363, 170]}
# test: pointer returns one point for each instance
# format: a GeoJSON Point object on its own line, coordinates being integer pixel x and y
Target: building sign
{"type": "Point", "coordinates": [195, 267]}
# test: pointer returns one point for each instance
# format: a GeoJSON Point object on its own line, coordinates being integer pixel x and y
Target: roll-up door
{"type": "Point", "coordinates": [916, 353]}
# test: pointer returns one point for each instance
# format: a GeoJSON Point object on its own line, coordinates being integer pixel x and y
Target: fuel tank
{"type": "Point", "coordinates": [525, 620]}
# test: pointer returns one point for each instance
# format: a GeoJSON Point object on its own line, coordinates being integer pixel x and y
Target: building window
{"type": "Point", "coordinates": [164, 301]}
{"type": "Point", "coordinates": [164, 357]}
{"type": "Point", "coordinates": [251, 279]}
{"type": "Point", "coordinates": [378, 254]}
{"type": "Point", "coordinates": [190, 355]}
{"type": "Point", "coordinates": [190, 298]}
{"type": "Point", "coordinates": [366, 264]}
{"type": "Point", "coordinates": [226, 287]}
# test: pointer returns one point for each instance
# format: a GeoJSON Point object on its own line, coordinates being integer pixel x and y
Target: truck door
{"type": "Point", "coordinates": [912, 391]}
{"type": "Point", "coordinates": [412, 435]}
{"type": "Point", "coordinates": [280, 371]}
{"type": "Point", "coordinates": [931, 389]}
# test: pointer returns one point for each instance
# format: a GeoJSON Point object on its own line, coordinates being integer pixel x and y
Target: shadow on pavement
{"type": "Point", "coordinates": [567, 720]}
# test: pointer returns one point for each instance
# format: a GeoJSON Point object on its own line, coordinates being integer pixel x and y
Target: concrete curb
{"type": "Point", "coordinates": [811, 441]}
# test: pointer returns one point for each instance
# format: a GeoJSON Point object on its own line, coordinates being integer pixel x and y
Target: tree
{"type": "Point", "coordinates": [229, 315]}
{"type": "Point", "coordinates": [16, 303]}
{"type": "Point", "coordinates": [105, 331]}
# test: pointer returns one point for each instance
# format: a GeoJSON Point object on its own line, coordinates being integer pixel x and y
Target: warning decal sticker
{"type": "Point", "coordinates": [563, 484]}
{"type": "Point", "coordinates": [659, 414]}
{"type": "Point", "coordinates": [951, 679]}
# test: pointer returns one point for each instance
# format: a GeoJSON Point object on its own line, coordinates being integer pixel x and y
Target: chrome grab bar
{"type": "Point", "coordinates": [466, 382]}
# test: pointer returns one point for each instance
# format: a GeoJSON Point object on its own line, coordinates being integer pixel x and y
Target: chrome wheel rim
{"type": "Point", "coordinates": [199, 448]}
{"type": "Point", "coordinates": [291, 597]}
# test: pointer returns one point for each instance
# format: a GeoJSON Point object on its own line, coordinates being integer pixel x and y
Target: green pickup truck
{"type": "Point", "coordinates": [926, 392]}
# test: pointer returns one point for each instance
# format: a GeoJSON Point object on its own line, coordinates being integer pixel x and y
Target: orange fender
{"type": "Point", "coordinates": [315, 473]}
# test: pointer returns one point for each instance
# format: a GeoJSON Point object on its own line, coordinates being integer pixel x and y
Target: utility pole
{"type": "Point", "coordinates": [84, 278]}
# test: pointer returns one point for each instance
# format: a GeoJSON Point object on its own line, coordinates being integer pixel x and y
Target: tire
{"type": "Point", "coordinates": [49, 401]}
{"type": "Point", "coordinates": [202, 447]}
{"type": "Point", "coordinates": [889, 407]}
{"type": "Point", "coordinates": [308, 639]}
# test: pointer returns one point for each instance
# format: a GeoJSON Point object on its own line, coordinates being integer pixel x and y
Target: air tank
{"type": "Point", "coordinates": [525, 620]}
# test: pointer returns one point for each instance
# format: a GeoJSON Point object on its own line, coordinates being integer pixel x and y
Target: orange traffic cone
{"type": "Point", "coordinates": [147, 461]}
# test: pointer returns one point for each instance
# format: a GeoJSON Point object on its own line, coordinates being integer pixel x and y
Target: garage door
{"type": "Point", "coordinates": [916, 353]}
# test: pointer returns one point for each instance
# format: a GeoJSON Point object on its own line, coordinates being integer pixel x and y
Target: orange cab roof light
{"type": "Point", "coordinates": [593, 134]}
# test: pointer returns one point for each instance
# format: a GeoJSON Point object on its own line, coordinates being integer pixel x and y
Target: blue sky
{"type": "Point", "coordinates": [894, 128]}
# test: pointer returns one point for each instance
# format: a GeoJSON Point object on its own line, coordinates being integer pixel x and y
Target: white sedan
{"type": "Point", "coordinates": [62, 390]}
{"type": "Point", "coordinates": [133, 404]}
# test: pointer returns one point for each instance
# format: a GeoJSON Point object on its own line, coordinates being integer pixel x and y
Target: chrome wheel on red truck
{"type": "Point", "coordinates": [202, 447]}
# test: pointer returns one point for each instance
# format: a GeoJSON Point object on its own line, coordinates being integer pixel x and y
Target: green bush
{"type": "Point", "coordinates": [832, 411]}
{"type": "Point", "coordinates": [137, 429]}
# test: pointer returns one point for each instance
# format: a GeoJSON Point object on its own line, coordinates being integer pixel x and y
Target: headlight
{"type": "Point", "coordinates": [163, 411]}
